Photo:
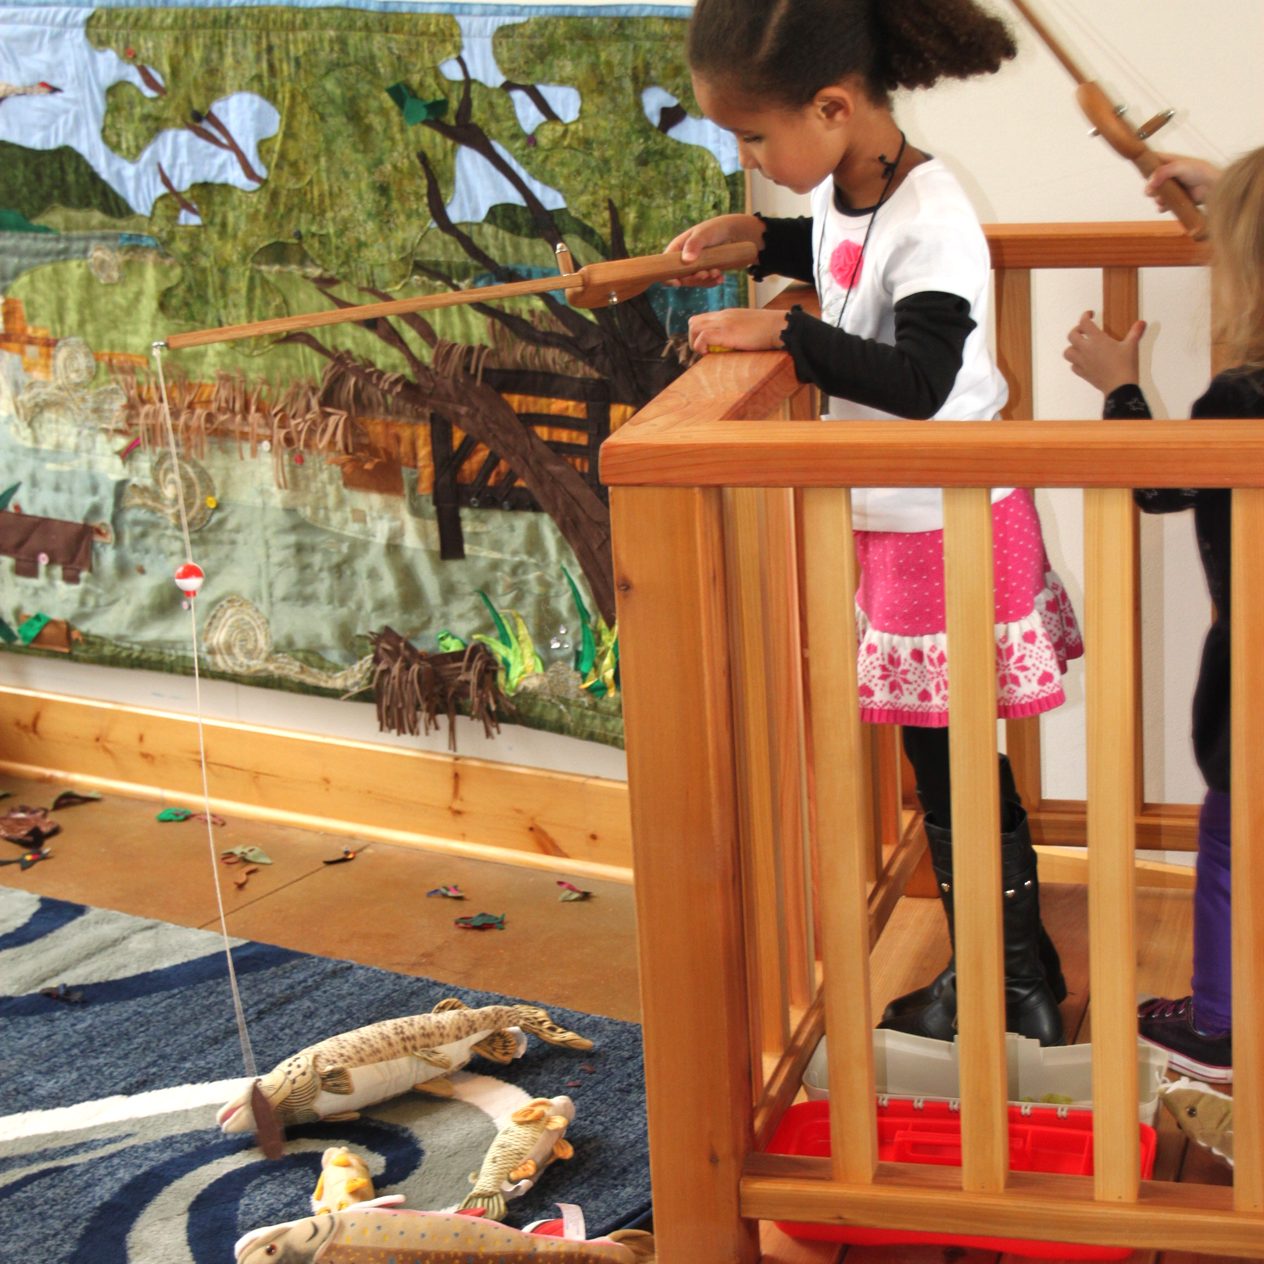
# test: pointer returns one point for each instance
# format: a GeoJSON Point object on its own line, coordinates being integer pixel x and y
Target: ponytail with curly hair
{"type": "Point", "coordinates": [785, 51]}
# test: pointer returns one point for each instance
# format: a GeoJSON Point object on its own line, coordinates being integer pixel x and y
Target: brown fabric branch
{"type": "Point", "coordinates": [412, 688]}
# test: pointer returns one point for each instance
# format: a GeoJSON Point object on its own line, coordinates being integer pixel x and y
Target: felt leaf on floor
{"type": "Point", "coordinates": [251, 855]}
{"type": "Point", "coordinates": [175, 814]}
{"type": "Point", "coordinates": [481, 921]}
{"type": "Point", "coordinates": [572, 892]}
{"type": "Point", "coordinates": [72, 798]}
{"type": "Point", "coordinates": [452, 892]}
{"type": "Point", "coordinates": [7, 634]}
{"type": "Point", "coordinates": [8, 494]}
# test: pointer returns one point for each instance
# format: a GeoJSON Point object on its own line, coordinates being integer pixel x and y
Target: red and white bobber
{"type": "Point", "coordinates": [189, 577]}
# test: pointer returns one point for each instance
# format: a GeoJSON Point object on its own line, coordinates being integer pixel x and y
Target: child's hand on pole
{"type": "Point", "coordinates": [1105, 362]}
{"type": "Point", "coordinates": [1196, 174]}
{"type": "Point", "coordinates": [717, 231]}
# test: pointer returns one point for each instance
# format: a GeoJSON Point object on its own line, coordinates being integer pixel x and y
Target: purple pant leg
{"type": "Point", "coordinates": [1213, 994]}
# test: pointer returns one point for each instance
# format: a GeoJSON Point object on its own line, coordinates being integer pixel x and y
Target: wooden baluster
{"type": "Point", "coordinates": [786, 634]}
{"type": "Point", "coordinates": [756, 758]}
{"type": "Point", "coordinates": [1110, 552]}
{"type": "Point", "coordinates": [844, 824]}
{"type": "Point", "coordinates": [785, 657]}
{"type": "Point", "coordinates": [976, 837]}
{"type": "Point", "coordinates": [1120, 308]}
{"type": "Point", "coordinates": [1016, 362]}
{"type": "Point", "coordinates": [887, 792]}
{"type": "Point", "coordinates": [1247, 861]}
{"type": "Point", "coordinates": [670, 580]}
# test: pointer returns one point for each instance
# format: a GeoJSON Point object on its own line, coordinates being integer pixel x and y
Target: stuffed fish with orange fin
{"type": "Point", "coordinates": [379, 1235]}
{"type": "Point", "coordinates": [534, 1136]}
{"type": "Point", "coordinates": [345, 1182]}
{"type": "Point", "coordinates": [1202, 1114]}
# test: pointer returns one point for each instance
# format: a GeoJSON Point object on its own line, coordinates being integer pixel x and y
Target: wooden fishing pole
{"type": "Point", "coordinates": [1111, 122]}
{"type": "Point", "coordinates": [601, 284]}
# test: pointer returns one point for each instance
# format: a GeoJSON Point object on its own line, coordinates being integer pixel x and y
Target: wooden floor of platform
{"type": "Point", "coordinates": [115, 854]}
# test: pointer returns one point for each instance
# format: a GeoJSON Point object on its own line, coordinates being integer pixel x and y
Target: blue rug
{"type": "Point", "coordinates": [109, 1151]}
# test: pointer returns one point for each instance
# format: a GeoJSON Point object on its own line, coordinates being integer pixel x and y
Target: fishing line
{"type": "Point", "coordinates": [1093, 37]}
{"type": "Point", "coordinates": [243, 1035]}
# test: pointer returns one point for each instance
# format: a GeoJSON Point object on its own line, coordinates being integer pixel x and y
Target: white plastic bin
{"type": "Point", "coordinates": [913, 1066]}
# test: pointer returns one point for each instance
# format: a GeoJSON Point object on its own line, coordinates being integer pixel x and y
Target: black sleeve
{"type": "Point", "coordinates": [1128, 403]}
{"type": "Point", "coordinates": [787, 249]}
{"type": "Point", "coordinates": [1225, 397]}
{"type": "Point", "coordinates": [912, 379]}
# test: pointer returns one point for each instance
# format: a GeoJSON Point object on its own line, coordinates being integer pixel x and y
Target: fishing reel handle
{"type": "Point", "coordinates": [1123, 139]}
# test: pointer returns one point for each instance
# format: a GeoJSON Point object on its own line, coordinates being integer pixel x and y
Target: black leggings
{"type": "Point", "coordinates": [927, 751]}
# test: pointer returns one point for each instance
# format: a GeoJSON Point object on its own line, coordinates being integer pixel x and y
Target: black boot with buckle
{"type": "Point", "coordinates": [921, 997]}
{"type": "Point", "coordinates": [1030, 1006]}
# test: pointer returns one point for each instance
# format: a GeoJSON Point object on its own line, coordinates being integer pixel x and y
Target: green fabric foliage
{"type": "Point", "coordinates": [33, 181]}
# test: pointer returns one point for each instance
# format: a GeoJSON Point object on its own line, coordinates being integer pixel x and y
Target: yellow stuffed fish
{"type": "Point", "coordinates": [521, 1150]}
{"type": "Point", "coordinates": [1202, 1114]}
{"type": "Point", "coordinates": [345, 1182]}
{"type": "Point", "coordinates": [377, 1235]}
{"type": "Point", "coordinates": [335, 1078]}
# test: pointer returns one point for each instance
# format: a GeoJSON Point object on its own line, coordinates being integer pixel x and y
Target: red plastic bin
{"type": "Point", "coordinates": [1041, 1139]}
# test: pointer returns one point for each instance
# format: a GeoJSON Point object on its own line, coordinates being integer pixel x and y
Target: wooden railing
{"type": "Point", "coordinates": [770, 838]}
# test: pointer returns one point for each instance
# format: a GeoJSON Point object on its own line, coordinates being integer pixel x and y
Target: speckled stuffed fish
{"type": "Point", "coordinates": [335, 1078]}
{"type": "Point", "coordinates": [382, 1236]}
{"type": "Point", "coordinates": [1202, 1114]}
{"type": "Point", "coordinates": [525, 1146]}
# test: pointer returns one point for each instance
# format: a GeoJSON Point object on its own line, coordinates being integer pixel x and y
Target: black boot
{"type": "Point", "coordinates": [1030, 1006]}
{"type": "Point", "coordinates": [1049, 959]}
{"type": "Point", "coordinates": [931, 1010]}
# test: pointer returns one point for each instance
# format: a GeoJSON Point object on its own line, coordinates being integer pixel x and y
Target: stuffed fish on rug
{"type": "Point", "coordinates": [110, 1098]}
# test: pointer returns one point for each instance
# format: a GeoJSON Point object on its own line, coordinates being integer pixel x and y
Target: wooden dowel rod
{"type": "Point", "coordinates": [1052, 44]}
{"type": "Point", "coordinates": [370, 311]}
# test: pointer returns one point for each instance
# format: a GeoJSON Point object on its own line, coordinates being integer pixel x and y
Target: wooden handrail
{"type": "Point", "coordinates": [1119, 244]}
{"type": "Point", "coordinates": [757, 453]}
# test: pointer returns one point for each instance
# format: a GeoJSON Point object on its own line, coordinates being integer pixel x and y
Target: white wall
{"type": "Point", "coordinates": [1021, 147]}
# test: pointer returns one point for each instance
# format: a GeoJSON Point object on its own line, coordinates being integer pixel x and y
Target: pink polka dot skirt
{"type": "Point", "coordinates": [901, 618]}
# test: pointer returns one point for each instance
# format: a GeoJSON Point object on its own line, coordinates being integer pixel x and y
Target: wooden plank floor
{"type": "Point", "coordinates": [582, 954]}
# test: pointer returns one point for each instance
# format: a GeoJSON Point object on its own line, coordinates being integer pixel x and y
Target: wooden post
{"type": "Point", "coordinates": [976, 831]}
{"type": "Point", "coordinates": [1247, 862]}
{"type": "Point", "coordinates": [670, 579]}
{"type": "Point", "coordinates": [844, 824]}
{"type": "Point", "coordinates": [1110, 551]}
{"type": "Point", "coordinates": [756, 762]}
{"type": "Point", "coordinates": [1015, 360]}
{"type": "Point", "coordinates": [785, 685]}
{"type": "Point", "coordinates": [1121, 304]}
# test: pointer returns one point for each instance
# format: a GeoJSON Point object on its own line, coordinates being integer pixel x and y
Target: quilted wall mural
{"type": "Point", "coordinates": [370, 501]}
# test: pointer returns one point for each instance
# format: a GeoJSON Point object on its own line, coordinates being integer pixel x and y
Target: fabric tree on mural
{"type": "Point", "coordinates": [226, 165]}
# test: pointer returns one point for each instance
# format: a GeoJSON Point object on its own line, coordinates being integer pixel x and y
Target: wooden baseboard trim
{"type": "Point", "coordinates": [443, 803]}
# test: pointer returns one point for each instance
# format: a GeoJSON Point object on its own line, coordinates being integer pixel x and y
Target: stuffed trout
{"type": "Point", "coordinates": [522, 1149]}
{"type": "Point", "coordinates": [379, 1235]}
{"type": "Point", "coordinates": [338, 1076]}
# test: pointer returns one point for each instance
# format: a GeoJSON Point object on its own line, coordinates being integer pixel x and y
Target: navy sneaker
{"type": "Point", "coordinates": [1169, 1025]}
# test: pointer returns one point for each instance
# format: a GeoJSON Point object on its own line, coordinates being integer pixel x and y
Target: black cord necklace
{"type": "Point", "coordinates": [889, 167]}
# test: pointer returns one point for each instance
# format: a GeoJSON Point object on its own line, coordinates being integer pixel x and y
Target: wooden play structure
{"type": "Point", "coordinates": [770, 836]}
